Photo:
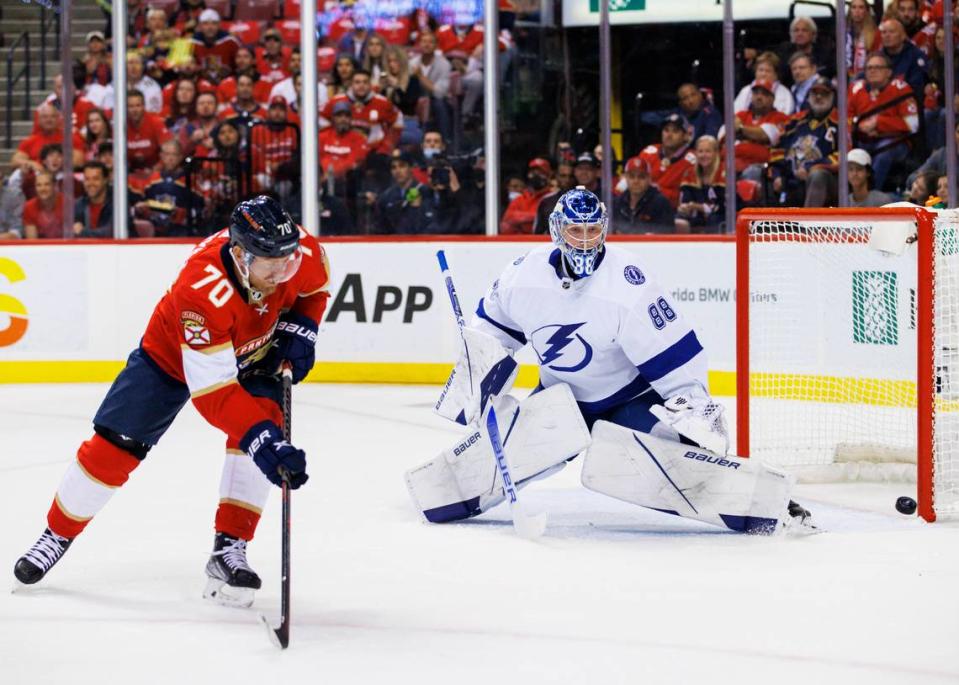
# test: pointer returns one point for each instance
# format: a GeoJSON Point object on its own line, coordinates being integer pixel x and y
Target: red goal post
{"type": "Point", "coordinates": [848, 345]}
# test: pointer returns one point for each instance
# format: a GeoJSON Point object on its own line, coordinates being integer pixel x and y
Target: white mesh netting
{"type": "Point", "coordinates": [833, 351]}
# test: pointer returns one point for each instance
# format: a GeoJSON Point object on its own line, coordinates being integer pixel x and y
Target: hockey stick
{"type": "Point", "coordinates": [526, 525]}
{"type": "Point", "coordinates": [281, 636]}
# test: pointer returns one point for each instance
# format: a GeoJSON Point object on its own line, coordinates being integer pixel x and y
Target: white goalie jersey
{"type": "Point", "coordinates": [611, 337]}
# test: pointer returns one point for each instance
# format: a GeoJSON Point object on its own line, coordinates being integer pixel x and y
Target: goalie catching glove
{"type": "Point", "coordinates": [698, 419]}
{"type": "Point", "coordinates": [485, 368]}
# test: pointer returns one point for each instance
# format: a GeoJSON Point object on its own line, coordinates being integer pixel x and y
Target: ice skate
{"type": "Point", "coordinates": [231, 580]}
{"type": "Point", "coordinates": [40, 558]}
{"type": "Point", "coordinates": [799, 521]}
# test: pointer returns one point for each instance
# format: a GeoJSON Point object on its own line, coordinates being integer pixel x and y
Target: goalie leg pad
{"type": "Point", "coordinates": [539, 435]}
{"type": "Point", "coordinates": [744, 495]}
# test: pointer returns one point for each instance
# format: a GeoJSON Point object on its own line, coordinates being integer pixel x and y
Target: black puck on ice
{"type": "Point", "coordinates": [906, 505]}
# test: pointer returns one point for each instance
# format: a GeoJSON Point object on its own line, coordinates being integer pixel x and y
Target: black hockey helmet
{"type": "Point", "coordinates": [263, 228]}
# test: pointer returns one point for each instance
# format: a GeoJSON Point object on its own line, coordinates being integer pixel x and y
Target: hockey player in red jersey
{"type": "Point", "coordinates": [249, 298]}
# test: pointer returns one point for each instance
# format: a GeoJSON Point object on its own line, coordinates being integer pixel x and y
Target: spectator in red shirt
{"type": "Point", "coordinates": [93, 213]}
{"type": "Point", "coordinates": [275, 150]}
{"type": "Point", "coordinates": [373, 114]}
{"type": "Point", "coordinates": [757, 130]}
{"type": "Point", "coordinates": [213, 48]}
{"type": "Point", "coordinates": [145, 134]}
{"type": "Point", "coordinates": [43, 215]}
{"type": "Point", "coordinates": [81, 106]}
{"type": "Point", "coordinates": [244, 106]}
{"type": "Point", "coordinates": [521, 212]}
{"type": "Point", "coordinates": [341, 148]}
{"type": "Point", "coordinates": [96, 132]}
{"type": "Point", "coordinates": [273, 58]}
{"type": "Point", "coordinates": [884, 115]}
{"type": "Point", "coordinates": [245, 64]}
{"type": "Point", "coordinates": [51, 131]}
{"type": "Point", "coordinates": [97, 60]}
{"type": "Point", "coordinates": [670, 159]}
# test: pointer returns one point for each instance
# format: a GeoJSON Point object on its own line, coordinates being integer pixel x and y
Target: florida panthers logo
{"type": "Point", "coordinates": [561, 341]}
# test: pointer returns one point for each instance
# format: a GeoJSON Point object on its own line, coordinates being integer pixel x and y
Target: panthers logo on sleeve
{"type": "Point", "coordinates": [195, 332]}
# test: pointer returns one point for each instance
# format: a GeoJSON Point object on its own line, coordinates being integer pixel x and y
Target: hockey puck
{"type": "Point", "coordinates": [906, 505]}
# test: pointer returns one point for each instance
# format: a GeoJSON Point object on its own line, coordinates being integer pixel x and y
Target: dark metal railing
{"type": "Point", "coordinates": [12, 79]}
{"type": "Point", "coordinates": [48, 20]}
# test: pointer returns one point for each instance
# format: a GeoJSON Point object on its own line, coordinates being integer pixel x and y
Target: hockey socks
{"type": "Point", "coordinates": [243, 494]}
{"type": "Point", "coordinates": [89, 483]}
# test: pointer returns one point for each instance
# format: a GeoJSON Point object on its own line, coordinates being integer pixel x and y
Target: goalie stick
{"type": "Point", "coordinates": [281, 636]}
{"type": "Point", "coordinates": [527, 526]}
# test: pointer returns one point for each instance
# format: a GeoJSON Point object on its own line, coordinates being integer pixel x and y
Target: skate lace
{"type": "Point", "coordinates": [46, 551]}
{"type": "Point", "coordinates": [235, 556]}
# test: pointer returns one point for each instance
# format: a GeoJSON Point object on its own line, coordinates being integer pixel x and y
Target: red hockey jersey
{"type": "Point", "coordinates": [203, 331]}
{"type": "Point", "coordinates": [893, 108]}
{"type": "Point", "coordinates": [667, 172]}
{"type": "Point", "coordinates": [377, 117]}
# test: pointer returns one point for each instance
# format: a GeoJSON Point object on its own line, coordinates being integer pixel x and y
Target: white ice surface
{"type": "Point", "coordinates": [611, 594]}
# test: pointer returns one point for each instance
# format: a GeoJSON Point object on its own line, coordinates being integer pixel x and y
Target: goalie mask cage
{"type": "Point", "coordinates": [848, 346]}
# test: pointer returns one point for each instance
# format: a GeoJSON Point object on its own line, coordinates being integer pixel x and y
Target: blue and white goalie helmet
{"type": "Point", "coordinates": [578, 226]}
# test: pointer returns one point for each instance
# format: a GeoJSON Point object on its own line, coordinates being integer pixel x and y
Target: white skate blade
{"type": "Point", "coordinates": [226, 595]}
{"type": "Point", "coordinates": [271, 631]}
{"type": "Point", "coordinates": [528, 526]}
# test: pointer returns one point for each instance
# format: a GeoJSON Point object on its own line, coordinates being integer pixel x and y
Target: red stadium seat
{"type": "Point", "coordinates": [247, 32]}
{"type": "Point", "coordinates": [325, 59]}
{"type": "Point", "coordinates": [291, 9]}
{"type": "Point", "coordinates": [256, 10]}
{"type": "Point", "coordinates": [747, 190]}
{"type": "Point", "coordinates": [289, 31]}
{"type": "Point", "coordinates": [222, 7]}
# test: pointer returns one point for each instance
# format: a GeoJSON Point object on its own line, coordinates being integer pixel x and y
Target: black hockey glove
{"type": "Point", "coordinates": [270, 452]}
{"type": "Point", "coordinates": [294, 341]}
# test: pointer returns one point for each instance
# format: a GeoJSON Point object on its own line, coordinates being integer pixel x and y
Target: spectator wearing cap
{"type": "Point", "coordinates": [97, 59]}
{"type": "Point", "coordinates": [399, 209]}
{"type": "Point", "coordinates": [275, 151]}
{"type": "Point", "coordinates": [373, 115]}
{"type": "Point", "coordinates": [564, 180]}
{"type": "Point", "coordinates": [213, 48]}
{"type": "Point", "coordinates": [433, 70]}
{"type": "Point", "coordinates": [756, 131]}
{"type": "Point", "coordinates": [342, 149]}
{"type": "Point", "coordinates": [43, 214]}
{"type": "Point", "coordinates": [670, 159]}
{"type": "Point", "coordinates": [884, 116]}
{"type": "Point", "coordinates": [804, 74]}
{"type": "Point", "coordinates": [805, 162]}
{"type": "Point", "coordinates": [701, 114]}
{"type": "Point", "coordinates": [586, 172]}
{"type": "Point", "coordinates": [804, 37]}
{"type": "Point", "coordinates": [702, 196]}
{"type": "Point", "coordinates": [521, 212]}
{"type": "Point", "coordinates": [862, 191]}
{"type": "Point", "coordinates": [273, 58]}
{"type": "Point", "coordinates": [766, 68]}
{"type": "Point", "coordinates": [908, 63]}
{"type": "Point", "coordinates": [641, 208]}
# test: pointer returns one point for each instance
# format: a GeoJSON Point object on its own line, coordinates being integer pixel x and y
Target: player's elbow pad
{"type": "Point", "coordinates": [485, 368]}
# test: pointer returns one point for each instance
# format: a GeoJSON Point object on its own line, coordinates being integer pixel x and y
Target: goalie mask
{"type": "Point", "coordinates": [578, 226]}
{"type": "Point", "coordinates": [269, 239]}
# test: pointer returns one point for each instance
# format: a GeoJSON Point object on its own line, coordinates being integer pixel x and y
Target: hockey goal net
{"type": "Point", "coordinates": [848, 346]}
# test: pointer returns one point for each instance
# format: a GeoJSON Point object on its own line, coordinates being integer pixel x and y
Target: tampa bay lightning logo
{"type": "Point", "coordinates": [634, 275]}
{"type": "Point", "coordinates": [561, 341]}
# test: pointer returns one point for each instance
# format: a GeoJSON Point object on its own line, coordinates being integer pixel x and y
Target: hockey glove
{"type": "Point", "coordinates": [270, 452]}
{"type": "Point", "coordinates": [294, 341]}
{"type": "Point", "coordinates": [700, 420]}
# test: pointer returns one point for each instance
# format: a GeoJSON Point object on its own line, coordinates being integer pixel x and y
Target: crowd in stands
{"type": "Point", "coordinates": [214, 113]}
